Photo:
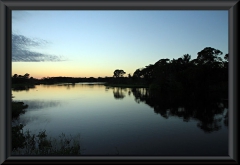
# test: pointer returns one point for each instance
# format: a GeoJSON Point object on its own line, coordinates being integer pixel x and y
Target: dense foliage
{"type": "Point", "coordinates": [204, 77]}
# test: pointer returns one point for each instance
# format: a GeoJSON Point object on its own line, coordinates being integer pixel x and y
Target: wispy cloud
{"type": "Point", "coordinates": [21, 50]}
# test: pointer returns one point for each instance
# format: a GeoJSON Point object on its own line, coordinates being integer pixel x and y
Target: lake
{"type": "Point", "coordinates": [122, 121]}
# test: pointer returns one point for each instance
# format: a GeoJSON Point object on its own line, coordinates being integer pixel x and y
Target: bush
{"type": "Point", "coordinates": [18, 108]}
{"type": "Point", "coordinates": [30, 144]}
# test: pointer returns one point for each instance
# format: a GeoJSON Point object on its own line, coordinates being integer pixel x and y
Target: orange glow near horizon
{"type": "Point", "coordinates": [55, 69]}
{"type": "Point", "coordinates": [40, 74]}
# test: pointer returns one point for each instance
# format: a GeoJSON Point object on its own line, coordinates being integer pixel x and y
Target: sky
{"type": "Point", "coordinates": [94, 43]}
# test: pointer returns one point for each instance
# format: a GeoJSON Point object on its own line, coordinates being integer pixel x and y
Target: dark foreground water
{"type": "Point", "coordinates": [115, 121]}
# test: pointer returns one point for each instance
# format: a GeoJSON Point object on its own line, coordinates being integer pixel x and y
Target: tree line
{"type": "Point", "coordinates": [205, 76]}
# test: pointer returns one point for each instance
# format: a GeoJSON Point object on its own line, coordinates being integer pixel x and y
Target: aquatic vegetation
{"type": "Point", "coordinates": [31, 144]}
{"type": "Point", "coordinates": [25, 143]}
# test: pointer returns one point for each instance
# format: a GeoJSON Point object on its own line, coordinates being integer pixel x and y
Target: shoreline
{"type": "Point", "coordinates": [127, 85]}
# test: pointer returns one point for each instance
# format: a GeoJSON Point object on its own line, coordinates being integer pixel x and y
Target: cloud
{"type": "Point", "coordinates": [24, 41]}
{"type": "Point", "coordinates": [21, 50]}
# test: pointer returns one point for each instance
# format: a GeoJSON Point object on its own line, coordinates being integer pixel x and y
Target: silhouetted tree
{"type": "Point", "coordinates": [186, 58]}
{"type": "Point", "coordinates": [26, 76]}
{"type": "Point", "coordinates": [226, 57]}
{"type": "Point", "coordinates": [137, 73]}
{"type": "Point", "coordinates": [209, 55]}
{"type": "Point", "coordinates": [118, 73]}
{"type": "Point", "coordinates": [15, 76]}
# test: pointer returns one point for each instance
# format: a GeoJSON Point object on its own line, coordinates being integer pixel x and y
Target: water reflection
{"type": "Point", "coordinates": [41, 104]}
{"type": "Point", "coordinates": [73, 85]}
{"type": "Point", "coordinates": [140, 94]}
{"type": "Point", "coordinates": [35, 105]}
{"type": "Point", "coordinates": [209, 114]}
{"type": "Point", "coordinates": [118, 93]}
{"type": "Point", "coordinates": [19, 88]}
{"type": "Point", "coordinates": [68, 86]}
{"type": "Point", "coordinates": [33, 119]}
{"type": "Point", "coordinates": [131, 119]}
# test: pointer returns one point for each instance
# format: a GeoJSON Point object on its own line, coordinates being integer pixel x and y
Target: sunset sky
{"type": "Point", "coordinates": [94, 43]}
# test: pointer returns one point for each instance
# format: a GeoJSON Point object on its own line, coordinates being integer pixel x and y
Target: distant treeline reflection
{"type": "Point", "coordinates": [210, 114]}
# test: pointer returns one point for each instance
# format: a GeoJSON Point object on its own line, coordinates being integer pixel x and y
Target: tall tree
{"type": "Point", "coordinates": [137, 73]}
{"type": "Point", "coordinates": [186, 58]}
{"type": "Point", "coordinates": [209, 55]}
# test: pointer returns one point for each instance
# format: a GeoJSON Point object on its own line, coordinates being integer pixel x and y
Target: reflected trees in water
{"type": "Point", "coordinates": [209, 114]}
{"type": "Point", "coordinates": [118, 93]}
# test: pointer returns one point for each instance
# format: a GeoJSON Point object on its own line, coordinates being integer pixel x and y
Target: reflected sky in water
{"type": "Point", "coordinates": [113, 121]}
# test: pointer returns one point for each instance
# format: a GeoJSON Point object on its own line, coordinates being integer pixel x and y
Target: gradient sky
{"type": "Point", "coordinates": [95, 43]}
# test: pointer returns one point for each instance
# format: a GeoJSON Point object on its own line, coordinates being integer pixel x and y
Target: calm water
{"type": "Point", "coordinates": [114, 121]}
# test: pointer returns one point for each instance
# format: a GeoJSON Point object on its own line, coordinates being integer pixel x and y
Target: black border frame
{"type": "Point", "coordinates": [5, 74]}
